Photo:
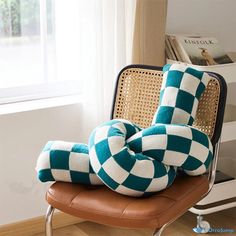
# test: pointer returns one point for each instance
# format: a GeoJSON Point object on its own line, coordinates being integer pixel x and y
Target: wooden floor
{"type": "Point", "coordinates": [182, 227]}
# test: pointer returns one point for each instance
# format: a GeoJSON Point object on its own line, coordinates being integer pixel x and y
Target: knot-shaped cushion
{"type": "Point", "coordinates": [135, 161]}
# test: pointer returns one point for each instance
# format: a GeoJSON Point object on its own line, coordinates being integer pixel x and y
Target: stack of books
{"type": "Point", "coordinates": [195, 50]}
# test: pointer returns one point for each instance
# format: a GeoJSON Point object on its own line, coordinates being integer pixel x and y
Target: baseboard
{"type": "Point", "coordinates": [36, 225]}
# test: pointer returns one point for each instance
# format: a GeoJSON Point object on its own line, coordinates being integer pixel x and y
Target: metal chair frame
{"type": "Point", "coordinates": [215, 140]}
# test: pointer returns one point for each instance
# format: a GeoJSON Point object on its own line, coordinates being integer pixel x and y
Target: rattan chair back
{"type": "Point", "coordinates": [137, 97]}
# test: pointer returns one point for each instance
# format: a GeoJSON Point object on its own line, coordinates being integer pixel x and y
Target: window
{"type": "Point", "coordinates": [37, 56]}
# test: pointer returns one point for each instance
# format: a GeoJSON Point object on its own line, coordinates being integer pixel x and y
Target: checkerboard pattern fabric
{"type": "Point", "coordinates": [66, 161]}
{"type": "Point", "coordinates": [125, 170]}
{"type": "Point", "coordinates": [133, 161]}
{"type": "Point", "coordinates": [138, 164]}
{"type": "Point", "coordinates": [180, 92]}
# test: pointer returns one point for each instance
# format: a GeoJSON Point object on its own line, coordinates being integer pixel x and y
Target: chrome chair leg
{"type": "Point", "coordinates": [48, 223]}
{"type": "Point", "coordinates": [158, 232]}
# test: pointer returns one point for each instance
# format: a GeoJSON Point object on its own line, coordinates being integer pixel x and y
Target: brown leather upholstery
{"type": "Point", "coordinates": [101, 205]}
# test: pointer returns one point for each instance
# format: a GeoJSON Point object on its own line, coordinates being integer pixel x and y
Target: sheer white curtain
{"type": "Point", "coordinates": [98, 38]}
{"type": "Point", "coordinates": [98, 33]}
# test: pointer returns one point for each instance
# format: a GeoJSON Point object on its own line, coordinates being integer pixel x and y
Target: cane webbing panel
{"type": "Point", "coordinates": [137, 99]}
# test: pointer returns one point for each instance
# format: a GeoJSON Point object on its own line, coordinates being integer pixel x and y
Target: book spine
{"type": "Point", "coordinates": [170, 53]}
{"type": "Point", "coordinates": [175, 48]}
{"type": "Point", "coordinates": [172, 47]}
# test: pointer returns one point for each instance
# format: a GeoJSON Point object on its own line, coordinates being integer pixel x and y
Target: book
{"type": "Point", "coordinates": [175, 48]}
{"type": "Point", "coordinates": [169, 50]}
{"type": "Point", "coordinates": [201, 50]}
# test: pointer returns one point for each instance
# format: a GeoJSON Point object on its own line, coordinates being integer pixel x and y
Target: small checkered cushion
{"type": "Point", "coordinates": [66, 161]}
{"type": "Point", "coordinates": [181, 89]}
{"type": "Point", "coordinates": [134, 161]}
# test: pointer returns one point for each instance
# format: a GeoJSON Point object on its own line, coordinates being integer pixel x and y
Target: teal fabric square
{"type": "Point", "coordinates": [185, 101]}
{"type": "Point", "coordinates": [200, 137]}
{"type": "Point", "coordinates": [114, 132]}
{"type": "Point", "coordinates": [102, 151]}
{"type": "Point", "coordinates": [164, 115]}
{"type": "Point", "coordinates": [159, 129]}
{"type": "Point", "coordinates": [194, 72]}
{"type": "Point", "coordinates": [160, 169]}
{"type": "Point", "coordinates": [166, 67]}
{"type": "Point", "coordinates": [174, 78]}
{"type": "Point", "coordinates": [131, 130]}
{"type": "Point", "coordinates": [136, 183]}
{"type": "Point", "coordinates": [80, 148]}
{"type": "Point", "coordinates": [191, 163]}
{"type": "Point", "coordinates": [191, 120]}
{"type": "Point", "coordinates": [178, 144]}
{"type": "Point", "coordinates": [125, 160]}
{"type": "Point", "coordinates": [208, 160]}
{"type": "Point", "coordinates": [79, 177]}
{"type": "Point", "coordinates": [45, 175]}
{"type": "Point", "coordinates": [200, 90]}
{"type": "Point", "coordinates": [136, 145]}
{"type": "Point", "coordinates": [157, 154]}
{"type": "Point", "coordinates": [171, 175]}
{"type": "Point", "coordinates": [59, 159]}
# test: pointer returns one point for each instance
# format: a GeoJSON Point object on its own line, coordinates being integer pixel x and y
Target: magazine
{"type": "Point", "coordinates": [199, 50]}
{"type": "Point", "coordinates": [202, 51]}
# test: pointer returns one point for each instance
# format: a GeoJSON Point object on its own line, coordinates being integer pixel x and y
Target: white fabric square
{"type": "Point", "coordinates": [179, 67]}
{"type": "Point", "coordinates": [101, 134]}
{"type": "Point", "coordinates": [94, 179]}
{"type": "Point", "coordinates": [189, 83]}
{"type": "Point", "coordinates": [194, 109]}
{"type": "Point", "coordinates": [79, 162]}
{"type": "Point", "coordinates": [127, 191]}
{"type": "Point", "coordinates": [178, 130]}
{"type": "Point", "coordinates": [199, 171]}
{"type": "Point", "coordinates": [115, 171]}
{"type": "Point", "coordinates": [61, 145]}
{"type": "Point", "coordinates": [169, 97]}
{"type": "Point", "coordinates": [163, 85]}
{"type": "Point", "coordinates": [154, 142]}
{"type": "Point", "coordinates": [180, 116]}
{"type": "Point", "coordinates": [199, 151]}
{"type": "Point", "coordinates": [94, 161]}
{"type": "Point", "coordinates": [116, 143]}
{"type": "Point", "coordinates": [120, 126]}
{"type": "Point", "coordinates": [43, 161]}
{"type": "Point", "coordinates": [174, 158]}
{"type": "Point", "coordinates": [205, 78]}
{"type": "Point", "coordinates": [125, 121]}
{"type": "Point", "coordinates": [158, 184]}
{"type": "Point", "coordinates": [61, 175]}
{"type": "Point", "coordinates": [143, 168]}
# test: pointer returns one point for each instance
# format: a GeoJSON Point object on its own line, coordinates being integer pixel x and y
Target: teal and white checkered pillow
{"type": "Point", "coordinates": [181, 89]}
{"type": "Point", "coordinates": [66, 161]}
{"type": "Point", "coordinates": [134, 161]}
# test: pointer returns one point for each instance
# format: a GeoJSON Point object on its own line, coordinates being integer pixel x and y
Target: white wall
{"type": "Point", "coordinates": [215, 18]}
{"type": "Point", "coordinates": [22, 136]}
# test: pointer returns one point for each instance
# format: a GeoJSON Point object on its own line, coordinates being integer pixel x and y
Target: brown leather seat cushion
{"type": "Point", "coordinates": [101, 205]}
